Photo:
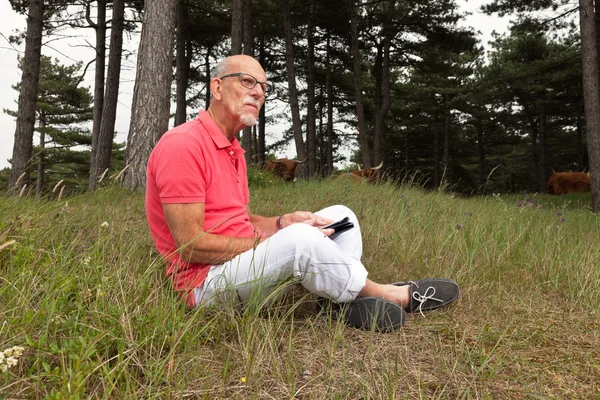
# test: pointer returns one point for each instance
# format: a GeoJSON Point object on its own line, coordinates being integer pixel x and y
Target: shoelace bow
{"type": "Point", "coordinates": [422, 298]}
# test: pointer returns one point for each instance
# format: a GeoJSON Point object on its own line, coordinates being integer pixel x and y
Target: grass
{"type": "Point", "coordinates": [90, 303]}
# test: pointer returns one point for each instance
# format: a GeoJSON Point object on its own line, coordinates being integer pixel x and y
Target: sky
{"type": "Point", "coordinates": [74, 49]}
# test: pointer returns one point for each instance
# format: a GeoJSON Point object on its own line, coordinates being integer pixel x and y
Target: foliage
{"type": "Point", "coordinates": [62, 109]}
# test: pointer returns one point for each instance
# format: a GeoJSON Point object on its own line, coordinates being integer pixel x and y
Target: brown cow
{"type": "Point", "coordinates": [283, 168]}
{"type": "Point", "coordinates": [369, 174]}
{"type": "Point", "coordinates": [567, 182]}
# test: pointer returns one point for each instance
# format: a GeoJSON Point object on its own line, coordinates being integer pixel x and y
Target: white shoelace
{"type": "Point", "coordinates": [428, 295]}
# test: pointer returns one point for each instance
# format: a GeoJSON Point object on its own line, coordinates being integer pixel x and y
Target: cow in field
{"type": "Point", "coordinates": [369, 174]}
{"type": "Point", "coordinates": [283, 168]}
{"type": "Point", "coordinates": [567, 182]}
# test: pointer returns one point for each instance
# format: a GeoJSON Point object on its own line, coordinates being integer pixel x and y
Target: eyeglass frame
{"type": "Point", "coordinates": [267, 88]}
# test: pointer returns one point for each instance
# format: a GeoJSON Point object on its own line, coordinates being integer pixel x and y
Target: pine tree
{"type": "Point", "coordinates": [61, 111]}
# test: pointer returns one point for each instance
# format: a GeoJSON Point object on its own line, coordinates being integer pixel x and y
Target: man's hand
{"type": "Point", "coordinates": [306, 217]}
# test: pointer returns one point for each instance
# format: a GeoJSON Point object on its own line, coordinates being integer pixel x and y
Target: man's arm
{"type": "Point", "coordinates": [267, 226]}
{"type": "Point", "coordinates": [186, 223]}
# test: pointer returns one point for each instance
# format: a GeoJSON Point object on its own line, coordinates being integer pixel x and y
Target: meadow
{"type": "Point", "coordinates": [83, 291]}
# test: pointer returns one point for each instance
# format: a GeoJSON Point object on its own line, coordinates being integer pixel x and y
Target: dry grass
{"type": "Point", "coordinates": [99, 320]}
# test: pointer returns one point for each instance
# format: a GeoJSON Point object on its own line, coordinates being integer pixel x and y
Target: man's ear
{"type": "Point", "coordinates": [215, 88]}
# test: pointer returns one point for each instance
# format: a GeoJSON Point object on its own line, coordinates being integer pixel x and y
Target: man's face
{"type": "Point", "coordinates": [239, 101]}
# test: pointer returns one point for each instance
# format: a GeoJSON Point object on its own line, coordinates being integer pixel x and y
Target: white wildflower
{"type": "Point", "coordinates": [10, 357]}
{"type": "Point", "coordinates": [86, 261]}
{"type": "Point", "coordinates": [104, 224]}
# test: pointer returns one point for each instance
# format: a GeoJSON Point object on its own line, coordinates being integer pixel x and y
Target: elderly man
{"type": "Point", "coordinates": [216, 249]}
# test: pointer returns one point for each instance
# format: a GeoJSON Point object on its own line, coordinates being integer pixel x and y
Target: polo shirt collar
{"type": "Point", "coordinates": [216, 135]}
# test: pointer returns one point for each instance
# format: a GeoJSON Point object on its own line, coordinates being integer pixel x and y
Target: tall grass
{"type": "Point", "coordinates": [83, 290]}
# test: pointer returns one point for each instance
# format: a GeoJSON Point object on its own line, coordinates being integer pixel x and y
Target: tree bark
{"type": "Point", "coordinates": [151, 94]}
{"type": "Point", "coordinates": [207, 68]}
{"type": "Point", "coordinates": [39, 182]}
{"type": "Point", "coordinates": [436, 157]}
{"type": "Point", "coordinates": [591, 95]}
{"type": "Point", "coordinates": [101, 156]}
{"type": "Point", "coordinates": [447, 132]}
{"type": "Point", "coordinates": [293, 92]}
{"type": "Point", "coordinates": [311, 116]}
{"type": "Point", "coordinates": [100, 28]}
{"type": "Point", "coordinates": [249, 51]}
{"type": "Point", "coordinates": [383, 100]}
{"type": "Point", "coordinates": [481, 151]}
{"type": "Point", "coordinates": [329, 85]}
{"type": "Point", "coordinates": [358, 87]}
{"type": "Point", "coordinates": [535, 166]}
{"type": "Point", "coordinates": [322, 162]}
{"type": "Point", "coordinates": [237, 26]}
{"type": "Point", "coordinates": [534, 159]}
{"type": "Point", "coordinates": [262, 121]}
{"type": "Point", "coordinates": [184, 58]}
{"type": "Point", "coordinates": [580, 146]}
{"type": "Point", "coordinates": [543, 149]}
{"type": "Point", "coordinates": [27, 96]}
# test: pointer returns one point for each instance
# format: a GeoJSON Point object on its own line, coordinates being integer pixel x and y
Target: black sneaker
{"type": "Point", "coordinates": [430, 294]}
{"type": "Point", "coordinates": [368, 313]}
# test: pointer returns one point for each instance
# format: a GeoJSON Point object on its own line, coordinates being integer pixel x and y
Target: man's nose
{"type": "Point", "coordinates": [257, 91]}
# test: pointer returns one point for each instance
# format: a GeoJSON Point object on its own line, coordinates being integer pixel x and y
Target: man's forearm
{"type": "Point", "coordinates": [216, 249]}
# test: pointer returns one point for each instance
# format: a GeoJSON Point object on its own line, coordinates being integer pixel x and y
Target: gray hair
{"type": "Point", "coordinates": [220, 68]}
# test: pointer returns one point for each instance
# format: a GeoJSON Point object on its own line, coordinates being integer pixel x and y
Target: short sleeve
{"type": "Point", "coordinates": [179, 169]}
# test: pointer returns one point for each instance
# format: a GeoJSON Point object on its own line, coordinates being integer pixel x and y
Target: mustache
{"type": "Point", "coordinates": [252, 101]}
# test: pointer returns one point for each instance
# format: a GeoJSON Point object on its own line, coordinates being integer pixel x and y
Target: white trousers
{"type": "Point", "coordinates": [329, 268]}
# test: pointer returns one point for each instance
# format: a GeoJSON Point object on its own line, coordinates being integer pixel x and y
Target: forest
{"type": "Point", "coordinates": [403, 82]}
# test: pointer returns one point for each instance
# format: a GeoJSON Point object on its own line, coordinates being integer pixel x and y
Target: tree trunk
{"type": "Point", "coordinates": [481, 151]}
{"type": "Point", "coordinates": [207, 69]}
{"type": "Point", "coordinates": [237, 26]}
{"type": "Point", "coordinates": [329, 85]}
{"type": "Point", "coordinates": [247, 28]}
{"type": "Point", "coordinates": [436, 157]}
{"type": "Point", "coordinates": [597, 26]}
{"type": "Point", "coordinates": [27, 96]}
{"type": "Point", "coordinates": [262, 121]}
{"type": "Point", "coordinates": [358, 87]}
{"type": "Point", "coordinates": [150, 108]}
{"type": "Point", "coordinates": [580, 146]}
{"type": "Point", "coordinates": [39, 182]}
{"type": "Point", "coordinates": [535, 165]}
{"type": "Point", "coordinates": [293, 92]}
{"type": "Point", "coordinates": [591, 95]}
{"type": "Point", "coordinates": [184, 58]}
{"type": "Point", "coordinates": [101, 157]}
{"type": "Point", "coordinates": [100, 28]}
{"type": "Point", "coordinates": [322, 165]}
{"type": "Point", "coordinates": [311, 116]}
{"type": "Point", "coordinates": [447, 132]}
{"type": "Point", "coordinates": [249, 51]}
{"type": "Point", "coordinates": [534, 159]}
{"type": "Point", "coordinates": [543, 149]}
{"type": "Point", "coordinates": [383, 100]}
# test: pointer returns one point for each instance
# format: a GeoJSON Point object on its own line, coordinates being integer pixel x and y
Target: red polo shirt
{"type": "Point", "coordinates": [195, 163]}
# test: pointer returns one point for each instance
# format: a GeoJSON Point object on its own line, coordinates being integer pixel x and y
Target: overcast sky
{"type": "Point", "coordinates": [75, 49]}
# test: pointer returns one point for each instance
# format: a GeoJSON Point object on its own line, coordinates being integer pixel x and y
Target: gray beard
{"type": "Point", "coordinates": [248, 120]}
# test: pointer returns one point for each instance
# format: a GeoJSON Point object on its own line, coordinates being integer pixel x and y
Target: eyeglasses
{"type": "Point", "coordinates": [249, 82]}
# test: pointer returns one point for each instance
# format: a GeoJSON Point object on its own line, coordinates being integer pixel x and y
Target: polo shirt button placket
{"type": "Point", "coordinates": [234, 162]}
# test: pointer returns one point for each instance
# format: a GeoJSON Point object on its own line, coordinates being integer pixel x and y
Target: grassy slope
{"type": "Point", "coordinates": [98, 318]}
